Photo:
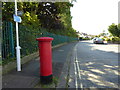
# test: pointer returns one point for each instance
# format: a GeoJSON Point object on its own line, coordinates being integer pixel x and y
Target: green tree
{"type": "Point", "coordinates": [54, 17]}
{"type": "Point", "coordinates": [114, 30]}
{"type": "Point", "coordinates": [118, 26]}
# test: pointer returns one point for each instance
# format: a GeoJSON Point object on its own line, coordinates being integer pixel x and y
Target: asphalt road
{"type": "Point", "coordinates": [95, 66]}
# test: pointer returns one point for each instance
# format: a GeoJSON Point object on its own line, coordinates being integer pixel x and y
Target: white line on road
{"type": "Point", "coordinates": [76, 83]}
{"type": "Point", "coordinates": [78, 67]}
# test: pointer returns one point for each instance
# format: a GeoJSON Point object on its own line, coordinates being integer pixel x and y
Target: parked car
{"type": "Point", "coordinates": [97, 40]}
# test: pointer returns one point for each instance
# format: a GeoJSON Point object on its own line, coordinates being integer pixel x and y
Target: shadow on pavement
{"type": "Point", "coordinates": [98, 70]}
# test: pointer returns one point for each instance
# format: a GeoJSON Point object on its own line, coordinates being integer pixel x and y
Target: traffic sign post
{"type": "Point", "coordinates": [17, 19]}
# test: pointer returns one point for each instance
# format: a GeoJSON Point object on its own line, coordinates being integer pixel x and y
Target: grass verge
{"type": "Point", "coordinates": [53, 84]}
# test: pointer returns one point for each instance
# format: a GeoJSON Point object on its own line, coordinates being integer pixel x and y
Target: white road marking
{"type": "Point", "coordinates": [76, 83]}
{"type": "Point", "coordinates": [78, 68]}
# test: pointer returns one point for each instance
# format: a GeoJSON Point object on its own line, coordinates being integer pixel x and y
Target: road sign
{"type": "Point", "coordinates": [19, 13]}
{"type": "Point", "coordinates": [17, 18]}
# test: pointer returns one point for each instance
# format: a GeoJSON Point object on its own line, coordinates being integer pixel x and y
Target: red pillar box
{"type": "Point", "coordinates": [44, 44]}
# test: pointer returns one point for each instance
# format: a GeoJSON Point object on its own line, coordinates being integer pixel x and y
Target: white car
{"type": "Point", "coordinates": [98, 40]}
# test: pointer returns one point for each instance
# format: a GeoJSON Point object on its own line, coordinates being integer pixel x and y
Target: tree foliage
{"type": "Point", "coordinates": [54, 17]}
{"type": "Point", "coordinates": [114, 30]}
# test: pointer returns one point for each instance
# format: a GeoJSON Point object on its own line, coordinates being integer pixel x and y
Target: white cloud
{"type": "Point", "coordinates": [94, 16]}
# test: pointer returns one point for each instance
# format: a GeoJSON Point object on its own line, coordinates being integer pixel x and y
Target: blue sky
{"type": "Point", "coordinates": [94, 16]}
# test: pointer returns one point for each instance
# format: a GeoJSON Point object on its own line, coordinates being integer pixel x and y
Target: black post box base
{"type": "Point", "coordinates": [46, 79]}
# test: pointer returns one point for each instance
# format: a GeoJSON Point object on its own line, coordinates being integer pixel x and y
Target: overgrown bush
{"type": "Point", "coordinates": [103, 39]}
{"type": "Point", "coordinates": [107, 39]}
{"type": "Point", "coordinates": [116, 39]}
{"type": "Point", "coordinates": [86, 38]}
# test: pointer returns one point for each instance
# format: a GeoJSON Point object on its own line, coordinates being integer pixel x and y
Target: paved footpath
{"type": "Point", "coordinates": [29, 76]}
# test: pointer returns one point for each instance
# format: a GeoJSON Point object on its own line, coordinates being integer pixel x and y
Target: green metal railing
{"type": "Point", "coordinates": [27, 38]}
{"type": "Point", "coordinates": [57, 38]}
{"type": "Point", "coordinates": [7, 40]}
